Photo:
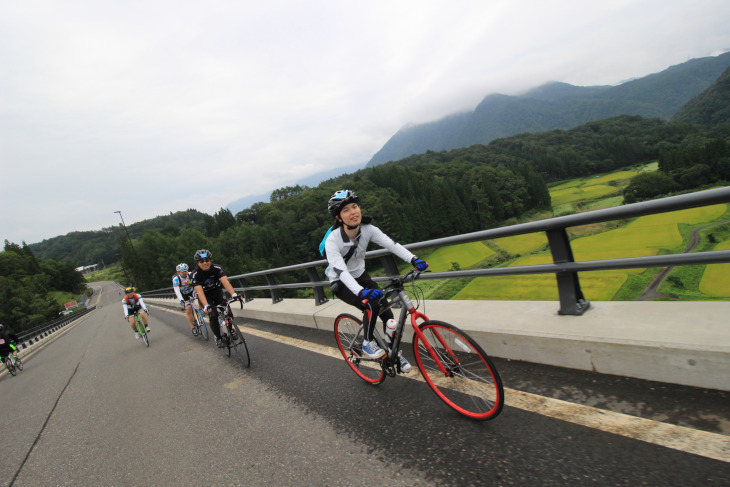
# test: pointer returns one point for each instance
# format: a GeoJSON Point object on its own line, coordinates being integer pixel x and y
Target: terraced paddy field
{"type": "Point", "coordinates": [716, 277]}
{"type": "Point", "coordinates": [644, 236]}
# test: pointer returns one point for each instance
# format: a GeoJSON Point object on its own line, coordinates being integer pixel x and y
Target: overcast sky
{"type": "Point", "coordinates": [151, 107]}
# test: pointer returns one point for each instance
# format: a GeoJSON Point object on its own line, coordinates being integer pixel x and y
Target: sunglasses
{"type": "Point", "coordinates": [203, 261]}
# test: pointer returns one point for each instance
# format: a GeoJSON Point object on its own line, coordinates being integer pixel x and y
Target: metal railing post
{"type": "Point", "coordinates": [275, 293]}
{"type": "Point", "coordinates": [572, 301]}
{"type": "Point", "coordinates": [247, 295]}
{"type": "Point", "coordinates": [390, 265]}
{"type": "Point", "coordinates": [319, 295]}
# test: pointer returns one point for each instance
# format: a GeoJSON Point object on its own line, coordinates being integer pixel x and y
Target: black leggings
{"type": "Point", "coordinates": [215, 297]}
{"type": "Point", "coordinates": [371, 311]}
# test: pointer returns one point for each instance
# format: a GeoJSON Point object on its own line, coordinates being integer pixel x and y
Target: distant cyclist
{"type": "Point", "coordinates": [209, 280]}
{"type": "Point", "coordinates": [132, 302]}
{"type": "Point", "coordinates": [183, 287]}
{"type": "Point", "coordinates": [345, 249]}
{"type": "Point", "coordinates": [8, 340]}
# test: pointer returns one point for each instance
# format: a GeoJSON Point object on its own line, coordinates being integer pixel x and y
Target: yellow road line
{"type": "Point", "coordinates": [706, 444]}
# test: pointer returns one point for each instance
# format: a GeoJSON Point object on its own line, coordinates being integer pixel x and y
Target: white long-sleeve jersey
{"type": "Point", "coordinates": [128, 304]}
{"type": "Point", "coordinates": [338, 245]}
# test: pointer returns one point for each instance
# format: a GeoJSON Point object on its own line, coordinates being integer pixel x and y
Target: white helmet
{"type": "Point", "coordinates": [181, 267]}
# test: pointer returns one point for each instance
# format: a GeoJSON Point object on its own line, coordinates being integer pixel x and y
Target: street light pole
{"type": "Point", "coordinates": [125, 229]}
{"type": "Point", "coordinates": [128, 238]}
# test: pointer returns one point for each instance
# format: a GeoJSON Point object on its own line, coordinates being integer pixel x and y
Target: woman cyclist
{"type": "Point", "coordinates": [183, 287]}
{"type": "Point", "coordinates": [209, 280]}
{"type": "Point", "coordinates": [345, 249]}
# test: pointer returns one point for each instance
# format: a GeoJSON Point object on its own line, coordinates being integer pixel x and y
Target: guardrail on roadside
{"type": "Point", "coordinates": [40, 332]}
{"type": "Point", "coordinates": [564, 266]}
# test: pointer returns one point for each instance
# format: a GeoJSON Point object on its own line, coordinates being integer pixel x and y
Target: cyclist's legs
{"type": "Point", "coordinates": [215, 297]}
{"type": "Point", "coordinates": [132, 323]}
{"type": "Point", "coordinates": [342, 292]}
{"type": "Point", "coordinates": [143, 315]}
{"type": "Point", "coordinates": [188, 310]}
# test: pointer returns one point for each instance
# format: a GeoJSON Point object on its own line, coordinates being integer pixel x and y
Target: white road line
{"type": "Point", "coordinates": [710, 445]}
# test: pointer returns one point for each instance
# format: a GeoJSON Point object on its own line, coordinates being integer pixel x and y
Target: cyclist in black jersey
{"type": "Point", "coordinates": [8, 340]}
{"type": "Point", "coordinates": [209, 280]}
{"type": "Point", "coordinates": [345, 249]}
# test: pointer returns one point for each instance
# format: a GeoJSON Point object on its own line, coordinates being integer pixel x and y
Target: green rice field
{"type": "Point", "coordinates": [715, 281]}
{"type": "Point", "coordinates": [644, 236]}
{"type": "Point", "coordinates": [465, 254]}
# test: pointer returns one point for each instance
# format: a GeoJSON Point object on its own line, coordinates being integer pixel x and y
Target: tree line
{"type": "Point", "coordinates": [699, 161]}
{"type": "Point", "coordinates": [25, 284]}
{"type": "Point", "coordinates": [409, 203]}
{"type": "Point", "coordinates": [421, 197]}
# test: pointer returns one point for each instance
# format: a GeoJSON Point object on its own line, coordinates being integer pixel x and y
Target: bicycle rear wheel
{"type": "Point", "coordinates": [18, 363]}
{"type": "Point", "coordinates": [226, 342]}
{"type": "Point", "coordinates": [348, 333]}
{"type": "Point", "coordinates": [240, 348]}
{"type": "Point", "coordinates": [472, 385]}
{"type": "Point", "coordinates": [10, 366]}
{"type": "Point", "coordinates": [200, 323]}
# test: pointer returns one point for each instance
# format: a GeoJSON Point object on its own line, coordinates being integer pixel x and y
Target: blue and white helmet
{"type": "Point", "coordinates": [203, 254]}
{"type": "Point", "coordinates": [340, 199]}
{"type": "Point", "coordinates": [182, 267]}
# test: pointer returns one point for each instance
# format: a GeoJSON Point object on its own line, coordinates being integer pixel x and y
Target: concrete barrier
{"type": "Point", "coordinates": [675, 342]}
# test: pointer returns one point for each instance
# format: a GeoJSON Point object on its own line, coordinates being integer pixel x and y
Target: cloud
{"type": "Point", "coordinates": [159, 106]}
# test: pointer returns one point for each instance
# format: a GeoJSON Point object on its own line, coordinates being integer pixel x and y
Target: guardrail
{"type": "Point", "coordinates": [564, 266]}
{"type": "Point", "coordinates": [40, 332]}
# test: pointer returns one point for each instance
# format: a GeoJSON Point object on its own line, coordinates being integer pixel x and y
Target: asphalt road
{"type": "Point", "coordinates": [95, 407]}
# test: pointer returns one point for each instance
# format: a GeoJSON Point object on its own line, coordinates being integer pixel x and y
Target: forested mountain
{"type": "Point", "coordinates": [558, 106]}
{"type": "Point", "coordinates": [712, 106]}
{"type": "Point", "coordinates": [430, 195]}
{"type": "Point", "coordinates": [25, 283]}
{"type": "Point", "coordinates": [95, 247]}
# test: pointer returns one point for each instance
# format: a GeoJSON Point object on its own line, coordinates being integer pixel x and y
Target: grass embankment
{"type": "Point", "coordinates": [113, 272]}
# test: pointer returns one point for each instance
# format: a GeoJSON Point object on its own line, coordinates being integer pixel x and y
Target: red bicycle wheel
{"type": "Point", "coordinates": [348, 333]}
{"type": "Point", "coordinates": [471, 385]}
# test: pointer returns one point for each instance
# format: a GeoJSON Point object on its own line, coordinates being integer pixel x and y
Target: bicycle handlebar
{"type": "Point", "coordinates": [411, 275]}
{"type": "Point", "coordinates": [229, 301]}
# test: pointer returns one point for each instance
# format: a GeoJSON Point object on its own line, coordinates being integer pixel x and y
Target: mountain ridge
{"type": "Point", "coordinates": [557, 105]}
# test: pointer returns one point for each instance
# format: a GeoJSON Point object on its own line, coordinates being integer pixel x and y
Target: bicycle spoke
{"type": "Point", "coordinates": [471, 384]}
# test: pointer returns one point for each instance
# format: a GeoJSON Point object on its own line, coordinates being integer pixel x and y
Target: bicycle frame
{"type": "Point", "coordinates": [141, 329]}
{"type": "Point", "coordinates": [225, 311]}
{"type": "Point", "coordinates": [398, 295]}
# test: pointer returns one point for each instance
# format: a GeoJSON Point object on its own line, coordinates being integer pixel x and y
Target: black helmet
{"type": "Point", "coordinates": [129, 289]}
{"type": "Point", "coordinates": [203, 254]}
{"type": "Point", "coordinates": [339, 199]}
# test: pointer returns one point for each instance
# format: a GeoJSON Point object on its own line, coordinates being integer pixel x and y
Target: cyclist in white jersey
{"type": "Point", "coordinates": [184, 290]}
{"type": "Point", "coordinates": [133, 302]}
{"type": "Point", "coordinates": [345, 249]}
